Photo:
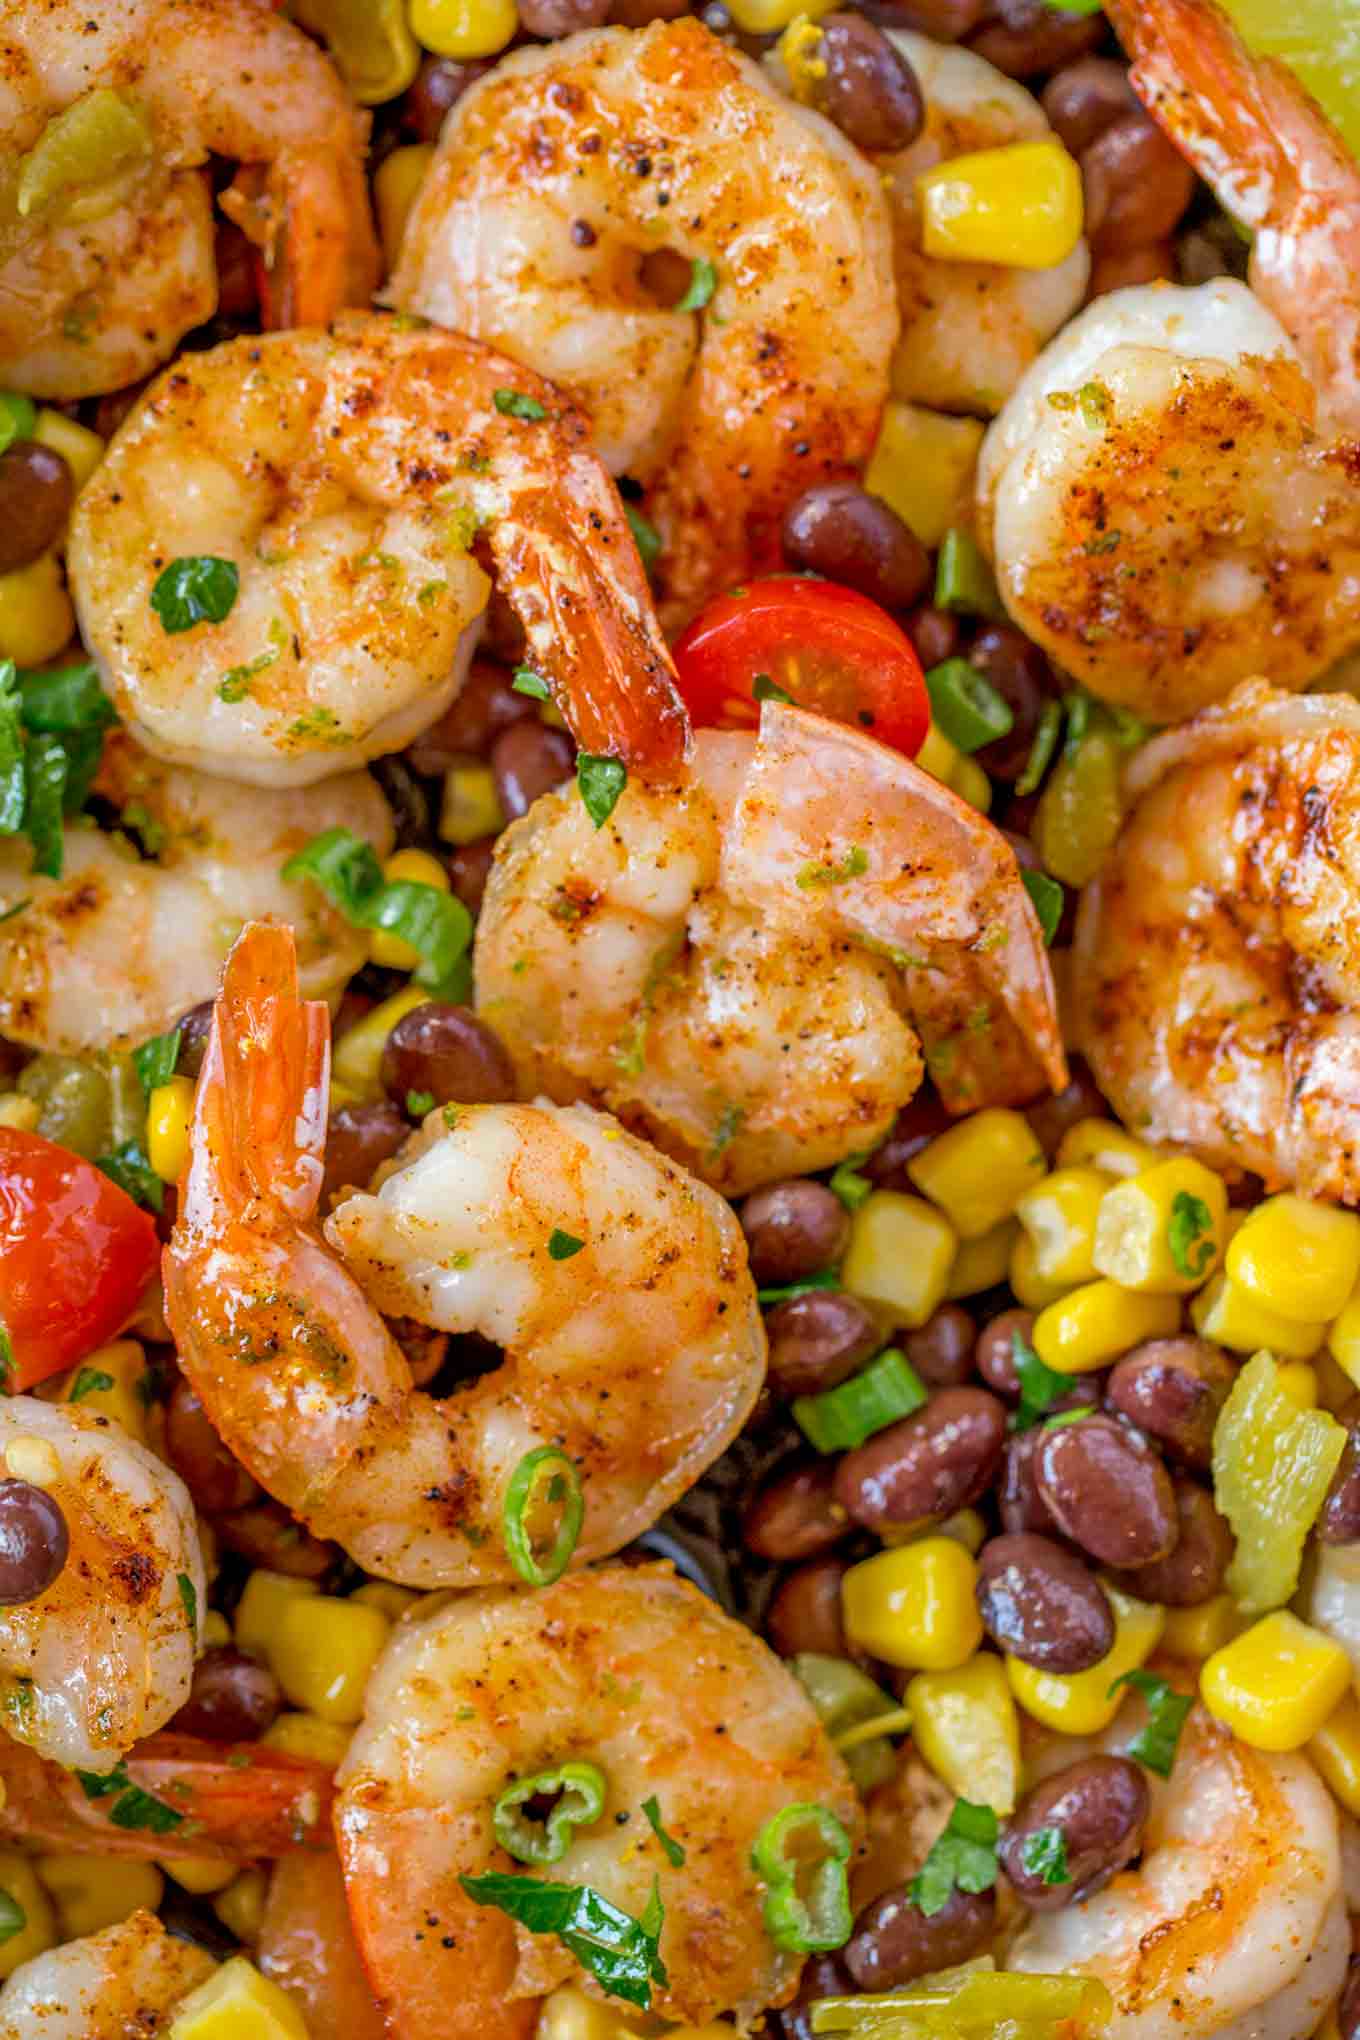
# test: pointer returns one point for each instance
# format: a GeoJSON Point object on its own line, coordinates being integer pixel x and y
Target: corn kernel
{"type": "Point", "coordinates": [32, 1459]}
{"type": "Point", "coordinates": [970, 783]}
{"type": "Point", "coordinates": [216, 1629]}
{"type": "Point", "coordinates": [20, 1112]}
{"type": "Point", "coordinates": [1343, 1339]}
{"type": "Point", "coordinates": [200, 1874]}
{"type": "Point", "coordinates": [358, 1053]}
{"type": "Point", "coordinates": [1335, 1750]}
{"type": "Point", "coordinates": [923, 465]}
{"type": "Point", "coordinates": [1059, 1213]}
{"type": "Point", "coordinates": [914, 1606]}
{"type": "Point", "coordinates": [94, 1892]}
{"type": "Point", "coordinates": [1100, 1144]}
{"type": "Point", "coordinates": [1020, 206]}
{"type": "Point", "coordinates": [965, 1526]}
{"type": "Point", "coordinates": [471, 807]}
{"type": "Point", "coordinates": [39, 1931]}
{"type": "Point", "coordinates": [570, 2015]}
{"type": "Point", "coordinates": [1162, 1232]}
{"type": "Point", "coordinates": [413, 867]}
{"type": "Point", "coordinates": [937, 755]}
{"type": "Point", "coordinates": [982, 1263]}
{"type": "Point", "coordinates": [396, 184]}
{"type": "Point", "coordinates": [241, 1906]}
{"type": "Point", "coordinates": [237, 2003]}
{"type": "Point", "coordinates": [260, 1608]}
{"type": "Point", "coordinates": [463, 28]}
{"type": "Point", "coordinates": [36, 618]}
{"type": "Point", "coordinates": [1276, 1683]}
{"type": "Point", "coordinates": [391, 1601]}
{"type": "Point", "coordinates": [900, 1253]}
{"type": "Point", "coordinates": [79, 447]}
{"type": "Point", "coordinates": [169, 1111]}
{"type": "Point", "coordinates": [770, 17]}
{"type": "Point", "coordinates": [322, 1652]}
{"type": "Point", "coordinates": [964, 1724]}
{"type": "Point", "coordinates": [978, 1171]}
{"type": "Point", "coordinates": [1225, 1313]}
{"type": "Point", "coordinates": [1029, 1285]}
{"type": "Point", "coordinates": [1298, 1381]}
{"type": "Point", "coordinates": [1297, 1258]}
{"type": "Point", "coordinates": [307, 1735]}
{"type": "Point", "coordinates": [1196, 1633]}
{"type": "Point", "coordinates": [1096, 1323]}
{"type": "Point", "coordinates": [111, 1382]}
{"type": "Point", "coordinates": [1081, 1703]}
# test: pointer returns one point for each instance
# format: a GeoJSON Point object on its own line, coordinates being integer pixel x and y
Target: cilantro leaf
{"type": "Point", "coordinates": [515, 404]}
{"type": "Point", "coordinates": [188, 1594]}
{"type": "Point", "coordinates": [1043, 1853]}
{"type": "Point", "coordinates": [646, 537]}
{"type": "Point", "coordinates": [129, 1168]}
{"type": "Point", "coordinates": [89, 1381]}
{"type": "Point", "coordinates": [133, 1808]}
{"type": "Point", "coordinates": [199, 588]}
{"type": "Point", "coordinates": [963, 1858]}
{"type": "Point", "coordinates": [1190, 1220]}
{"type": "Point", "coordinates": [763, 688]}
{"type": "Point", "coordinates": [784, 1292]}
{"type": "Point", "coordinates": [703, 281]}
{"type": "Point", "coordinates": [1155, 1743]}
{"type": "Point", "coordinates": [44, 802]}
{"type": "Point", "coordinates": [1047, 899]}
{"type": "Point", "coordinates": [526, 681]}
{"type": "Point", "coordinates": [1040, 1386]}
{"type": "Point", "coordinates": [155, 1060]}
{"type": "Point", "coordinates": [12, 776]}
{"type": "Point", "coordinates": [66, 700]}
{"type": "Point", "coordinates": [847, 1183]}
{"type": "Point", "coordinates": [620, 1952]}
{"type": "Point", "coordinates": [13, 1918]}
{"type": "Point", "coordinates": [436, 924]}
{"type": "Point", "coordinates": [562, 1245]}
{"type": "Point", "coordinates": [674, 1854]}
{"type": "Point", "coordinates": [601, 781]}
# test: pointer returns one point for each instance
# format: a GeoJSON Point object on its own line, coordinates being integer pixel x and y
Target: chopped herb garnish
{"type": "Point", "coordinates": [1063, 1418]}
{"type": "Point", "coordinates": [763, 688]}
{"type": "Point", "coordinates": [128, 1167]}
{"type": "Point", "coordinates": [853, 865]}
{"type": "Point", "coordinates": [841, 1418]}
{"type": "Point", "coordinates": [1040, 1386]}
{"type": "Point", "coordinates": [13, 779]}
{"type": "Point", "coordinates": [962, 1859]}
{"type": "Point", "coordinates": [45, 768]}
{"type": "Point", "coordinates": [1042, 749]}
{"type": "Point", "coordinates": [674, 1854]}
{"type": "Point", "coordinates": [848, 1184]}
{"type": "Point", "coordinates": [133, 1808]}
{"type": "Point", "coordinates": [526, 681]}
{"type": "Point", "coordinates": [197, 589]}
{"type": "Point", "coordinates": [18, 418]}
{"type": "Point", "coordinates": [418, 1103]}
{"type": "Point", "coordinates": [726, 1131]}
{"type": "Point", "coordinates": [1155, 1743]}
{"type": "Point", "coordinates": [155, 1060]}
{"type": "Point", "coordinates": [562, 1245]}
{"type": "Point", "coordinates": [235, 682]}
{"type": "Point", "coordinates": [436, 924]}
{"type": "Point", "coordinates": [1094, 401]}
{"type": "Point", "coordinates": [620, 1952]}
{"type": "Point", "coordinates": [703, 281]}
{"type": "Point", "coordinates": [89, 1381]}
{"type": "Point", "coordinates": [6, 1360]}
{"type": "Point", "coordinates": [782, 1292]}
{"type": "Point", "coordinates": [601, 781]}
{"type": "Point", "coordinates": [1043, 1853]}
{"type": "Point", "coordinates": [1047, 899]}
{"type": "Point", "coordinates": [1186, 1228]}
{"type": "Point", "coordinates": [646, 537]}
{"type": "Point", "coordinates": [515, 404]}
{"type": "Point", "coordinates": [13, 1918]}
{"type": "Point", "coordinates": [188, 1594]}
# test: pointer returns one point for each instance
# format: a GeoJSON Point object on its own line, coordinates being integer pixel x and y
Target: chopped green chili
{"type": "Point", "coordinates": [580, 1790]}
{"type": "Point", "coordinates": [546, 1466]}
{"type": "Point", "coordinates": [963, 579]}
{"type": "Point", "coordinates": [822, 1920]}
{"type": "Point", "coordinates": [966, 706]}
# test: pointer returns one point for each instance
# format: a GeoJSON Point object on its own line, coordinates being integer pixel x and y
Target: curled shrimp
{"type": "Point", "coordinates": [618, 1286]}
{"type": "Point", "coordinates": [123, 1981]}
{"type": "Point", "coordinates": [105, 1653]}
{"type": "Point", "coordinates": [340, 478]}
{"type": "Point", "coordinates": [1216, 962]}
{"type": "Point", "coordinates": [747, 966]}
{"type": "Point", "coordinates": [636, 1672]}
{"type": "Point", "coordinates": [117, 948]}
{"type": "Point", "coordinates": [557, 182]}
{"type": "Point", "coordinates": [100, 280]}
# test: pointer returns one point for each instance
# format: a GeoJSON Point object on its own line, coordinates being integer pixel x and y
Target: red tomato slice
{"type": "Point", "coordinates": [75, 1255]}
{"type": "Point", "coordinates": [828, 648]}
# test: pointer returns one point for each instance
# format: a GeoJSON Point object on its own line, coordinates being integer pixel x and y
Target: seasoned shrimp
{"type": "Point", "coordinates": [1233, 1925]}
{"type": "Point", "coordinates": [343, 475]}
{"type": "Point", "coordinates": [121, 1984]}
{"type": "Point", "coordinates": [632, 1670]}
{"type": "Point", "coordinates": [1216, 964]}
{"type": "Point", "coordinates": [557, 178]}
{"type": "Point", "coordinates": [741, 967]}
{"type": "Point", "coordinates": [117, 948]}
{"type": "Point", "coordinates": [618, 1286]}
{"type": "Point", "coordinates": [103, 269]}
{"type": "Point", "coordinates": [106, 1652]}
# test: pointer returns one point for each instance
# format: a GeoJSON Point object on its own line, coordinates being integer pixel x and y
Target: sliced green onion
{"type": "Point", "coordinates": [1043, 748]}
{"type": "Point", "coordinates": [526, 681]}
{"type": "Point", "coordinates": [546, 1467]}
{"type": "Point", "coordinates": [581, 1787]}
{"type": "Point", "coordinates": [1046, 897]}
{"type": "Point", "coordinates": [966, 706]}
{"type": "Point", "coordinates": [848, 1184]}
{"type": "Point", "coordinates": [18, 418]}
{"type": "Point", "coordinates": [841, 1418]}
{"type": "Point", "coordinates": [782, 1292]}
{"type": "Point", "coordinates": [823, 1919]}
{"type": "Point", "coordinates": [964, 582]}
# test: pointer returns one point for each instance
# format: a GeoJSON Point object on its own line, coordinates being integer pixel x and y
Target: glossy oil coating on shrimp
{"type": "Point", "coordinates": [1233, 1925]}
{"type": "Point", "coordinates": [1216, 965]}
{"type": "Point", "coordinates": [344, 475]}
{"type": "Point", "coordinates": [105, 1654]}
{"type": "Point", "coordinates": [118, 947]}
{"type": "Point", "coordinates": [632, 1670]}
{"type": "Point", "coordinates": [100, 276]}
{"type": "Point", "coordinates": [120, 1984]}
{"type": "Point", "coordinates": [639, 1351]}
{"type": "Point", "coordinates": [747, 966]}
{"type": "Point", "coordinates": [567, 167]}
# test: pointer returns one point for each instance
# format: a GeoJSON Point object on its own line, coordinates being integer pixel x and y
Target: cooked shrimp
{"type": "Point", "coordinates": [118, 947]}
{"type": "Point", "coordinates": [617, 1285]}
{"type": "Point", "coordinates": [121, 1984]}
{"type": "Point", "coordinates": [102, 273]}
{"type": "Point", "coordinates": [343, 475]}
{"type": "Point", "coordinates": [106, 1652]}
{"type": "Point", "coordinates": [1233, 1925]}
{"type": "Point", "coordinates": [1331, 1591]}
{"type": "Point", "coordinates": [632, 1670]}
{"type": "Point", "coordinates": [742, 967]}
{"type": "Point", "coordinates": [557, 182]}
{"type": "Point", "coordinates": [1216, 965]}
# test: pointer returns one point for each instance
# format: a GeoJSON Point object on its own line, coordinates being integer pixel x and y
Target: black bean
{"type": "Point", "coordinates": [527, 760]}
{"type": "Point", "coordinates": [1108, 1490]}
{"type": "Point", "coordinates": [823, 1977]}
{"type": "Point", "coordinates": [485, 705]}
{"type": "Point", "coordinates": [943, 21]}
{"type": "Point", "coordinates": [440, 83]}
{"type": "Point", "coordinates": [194, 1028]}
{"type": "Point", "coordinates": [1041, 1604]}
{"type": "Point", "coordinates": [994, 1356]}
{"type": "Point", "coordinates": [1100, 1807]}
{"type": "Point", "coordinates": [915, 1126]}
{"type": "Point", "coordinates": [1018, 1501]}
{"type": "Point", "coordinates": [213, 1477]}
{"type": "Point", "coordinates": [1137, 186]}
{"type": "Point", "coordinates": [1119, 269]}
{"type": "Point", "coordinates": [1023, 678]}
{"type": "Point", "coordinates": [37, 490]}
{"type": "Point", "coordinates": [941, 1350]}
{"type": "Point", "coordinates": [1195, 1570]}
{"type": "Point", "coordinates": [34, 1541]}
{"type": "Point", "coordinates": [359, 1139]}
{"type": "Point", "coordinates": [233, 1697]}
{"type": "Point", "coordinates": [818, 1340]}
{"type": "Point", "coordinates": [871, 93]}
{"type": "Point", "coordinates": [805, 1613]}
{"type": "Point", "coordinates": [894, 1942]}
{"type": "Point", "coordinates": [470, 868]}
{"type": "Point", "coordinates": [1085, 98]}
{"type": "Point", "coordinates": [848, 535]}
{"type": "Point", "coordinates": [1339, 1522]}
{"type": "Point", "coordinates": [1025, 37]}
{"type": "Point", "coordinates": [929, 1465]}
{"type": "Point", "coordinates": [1174, 1389]}
{"type": "Point", "coordinates": [937, 634]}
{"type": "Point", "coordinates": [1080, 1099]}
{"type": "Point", "coordinates": [796, 1515]}
{"type": "Point", "coordinates": [268, 1535]}
{"type": "Point", "coordinates": [445, 1053]}
{"type": "Point", "coordinates": [793, 1229]}
{"type": "Point", "coordinates": [553, 18]}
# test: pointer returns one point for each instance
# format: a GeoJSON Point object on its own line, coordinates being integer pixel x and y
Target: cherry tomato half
{"type": "Point", "coordinates": [826, 647]}
{"type": "Point", "coordinates": [75, 1255]}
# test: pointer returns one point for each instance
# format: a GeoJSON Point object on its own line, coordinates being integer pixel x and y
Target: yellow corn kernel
{"type": "Point", "coordinates": [982, 1263]}
{"type": "Point", "coordinates": [111, 1382]}
{"type": "Point", "coordinates": [1333, 1387]}
{"type": "Point", "coordinates": [1059, 1213]}
{"type": "Point", "coordinates": [914, 1606]}
{"type": "Point", "coordinates": [1225, 1313]}
{"type": "Point", "coordinates": [463, 28]}
{"type": "Point", "coordinates": [978, 1171]}
{"type": "Point", "coordinates": [322, 1652]}
{"type": "Point", "coordinates": [1081, 1703]}
{"type": "Point", "coordinates": [1029, 1285]}
{"type": "Point", "coordinates": [964, 1724]}
{"type": "Point", "coordinates": [36, 618]}
{"type": "Point", "coordinates": [1276, 1683]}
{"type": "Point", "coordinates": [79, 447]}
{"type": "Point", "coordinates": [923, 465]}
{"type": "Point", "coordinates": [1196, 1633]}
{"type": "Point", "coordinates": [260, 1608]}
{"type": "Point", "coordinates": [391, 1601]}
{"type": "Point", "coordinates": [770, 17]}
{"type": "Point", "coordinates": [1100, 1144]}
{"type": "Point", "coordinates": [900, 1253]}
{"type": "Point", "coordinates": [1298, 1381]}
{"type": "Point", "coordinates": [570, 2015]}
{"type": "Point", "coordinates": [18, 1111]}
{"type": "Point", "coordinates": [39, 1931]}
{"type": "Point", "coordinates": [416, 867]}
{"type": "Point", "coordinates": [307, 1735]}
{"type": "Point", "coordinates": [237, 2003]}
{"type": "Point", "coordinates": [94, 1892]}
{"type": "Point", "coordinates": [359, 1052]}
{"type": "Point", "coordinates": [1343, 1339]}
{"type": "Point", "coordinates": [970, 783]}
{"type": "Point", "coordinates": [1095, 1324]}
{"type": "Point", "coordinates": [1335, 1749]}
{"type": "Point", "coordinates": [1162, 1232]}
{"type": "Point", "coordinates": [200, 1874]}
{"type": "Point", "coordinates": [241, 1906]}
{"type": "Point", "coordinates": [216, 1629]}
{"type": "Point", "coordinates": [1020, 206]}
{"type": "Point", "coordinates": [396, 183]}
{"type": "Point", "coordinates": [937, 755]}
{"type": "Point", "coordinates": [471, 807]}
{"type": "Point", "coordinates": [169, 1111]}
{"type": "Point", "coordinates": [1299, 1259]}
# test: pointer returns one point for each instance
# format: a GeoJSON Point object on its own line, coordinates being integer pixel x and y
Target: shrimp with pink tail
{"type": "Point", "coordinates": [617, 1285]}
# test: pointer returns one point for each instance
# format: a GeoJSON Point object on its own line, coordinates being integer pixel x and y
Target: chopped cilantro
{"type": "Point", "coordinates": [601, 781]}
{"type": "Point", "coordinates": [1043, 1853]}
{"type": "Point", "coordinates": [853, 865]}
{"type": "Point", "coordinates": [89, 1381]}
{"type": "Point", "coordinates": [563, 1245]}
{"type": "Point", "coordinates": [196, 589]}
{"type": "Point", "coordinates": [1155, 1743]}
{"type": "Point", "coordinates": [515, 404]}
{"type": "Point", "coordinates": [675, 1855]}
{"type": "Point", "coordinates": [963, 1858]}
{"type": "Point", "coordinates": [620, 1952]}
{"type": "Point", "coordinates": [1190, 1220]}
